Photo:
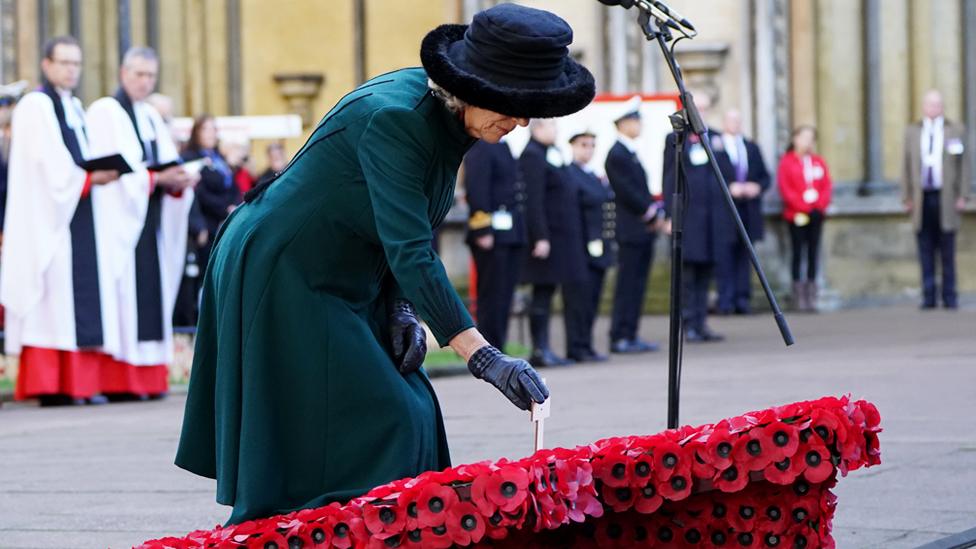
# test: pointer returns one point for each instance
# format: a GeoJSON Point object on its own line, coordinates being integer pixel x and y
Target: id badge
{"type": "Point", "coordinates": [810, 196]}
{"type": "Point", "coordinates": [501, 220]}
{"type": "Point", "coordinates": [697, 155]}
{"type": "Point", "coordinates": [595, 248]}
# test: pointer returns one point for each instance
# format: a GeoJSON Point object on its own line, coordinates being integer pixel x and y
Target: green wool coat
{"type": "Point", "coordinates": [294, 399]}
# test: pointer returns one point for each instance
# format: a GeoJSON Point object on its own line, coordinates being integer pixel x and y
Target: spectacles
{"type": "Point", "coordinates": [66, 63]}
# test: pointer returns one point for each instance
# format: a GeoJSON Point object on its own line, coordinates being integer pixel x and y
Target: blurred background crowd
{"type": "Point", "coordinates": [844, 130]}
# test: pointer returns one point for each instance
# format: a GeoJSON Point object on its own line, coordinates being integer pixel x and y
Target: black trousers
{"type": "Point", "coordinates": [633, 267]}
{"type": "Point", "coordinates": [695, 278]}
{"type": "Point", "coordinates": [581, 301]}
{"type": "Point", "coordinates": [932, 239]}
{"type": "Point", "coordinates": [498, 273]}
{"type": "Point", "coordinates": [733, 277]}
{"type": "Point", "coordinates": [540, 309]}
{"type": "Point", "coordinates": [806, 242]}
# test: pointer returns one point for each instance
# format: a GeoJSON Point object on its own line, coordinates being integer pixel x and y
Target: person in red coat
{"type": "Point", "coordinates": [804, 184]}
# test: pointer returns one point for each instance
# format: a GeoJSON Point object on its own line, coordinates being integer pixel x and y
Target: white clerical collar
{"type": "Point", "coordinates": [627, 142]}
{"type": "Point", "coordinates": [936, 122]}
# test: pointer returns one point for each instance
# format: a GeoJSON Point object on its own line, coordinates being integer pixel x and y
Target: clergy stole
{"type": "Point", "coordinates": [84, 261]}
{"type": "Point", "coordinates": [149, 284]}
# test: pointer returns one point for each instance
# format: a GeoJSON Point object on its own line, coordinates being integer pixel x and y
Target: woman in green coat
{"type": "Point", "coordinates": [307, 386]}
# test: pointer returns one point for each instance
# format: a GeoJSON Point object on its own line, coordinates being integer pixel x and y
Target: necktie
{"type": "Point", "coordinates": [742, 162]}
{"type": "Point", "coordinates": [929, 182]}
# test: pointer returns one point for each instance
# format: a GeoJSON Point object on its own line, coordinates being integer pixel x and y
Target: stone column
{"type": "Point", "coordinates": [840, 84]}
{"type": "Point", "coordinates": [969, 18]}
{"type": "Point", "coordinates": [8, 41]}
{"type": "Point", "coordinates": [936, 42]}
{"type": "Point", "coordinates": [872, 93]}
{"type": "Point", "coordinates": [772, 92]}
{"type": "Point", "coordinates": [617, 50]}
{"type": "Point", "coordinates": [896, 85]}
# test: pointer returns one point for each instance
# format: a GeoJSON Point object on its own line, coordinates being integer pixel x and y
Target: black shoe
{"type": "Point", "coordinates": [743, 311]}
{"type": "Point", "coordinates": [59, 400]}
{"type": "Point", "coordinates": [588, 356]}
{"type": "Point", "coordinates": [545, 358]}
{"type": "Point", "coordinates": [694, 336]}
{"type": "Point", "coordinates": [621, 346]}
{"type": "Point", "coordinates": [927, 306]}
{"type": "Point", "coordinates": [952, 306]}
{"type": "Point", "coordinates": [97, 400]}
{"type": "Point", "coordinates": [722, 311]}
{"type": "Point", "coordinates": [711, 336]}
{"type": "Point", "coordinates": [645, 346]}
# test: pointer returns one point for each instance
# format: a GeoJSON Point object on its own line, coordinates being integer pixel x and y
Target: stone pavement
{"type": "Point", "coordinates": [103, 476]}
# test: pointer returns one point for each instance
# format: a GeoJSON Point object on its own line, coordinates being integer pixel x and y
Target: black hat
{"type": "Point", "coordinates": [512, 60]}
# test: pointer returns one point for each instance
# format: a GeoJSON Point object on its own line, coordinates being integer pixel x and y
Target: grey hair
{"type": "Point", "coordinates": [139, 52]}
{"type": "Point", "coordinates": [453, 104]}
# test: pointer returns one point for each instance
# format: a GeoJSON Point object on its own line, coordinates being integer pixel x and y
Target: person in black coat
{"type": "Point", "coordinates": [496, 233]}
{"type": "Point", "coordinates": [708, 225]}
{"type": "Point", "coordinates": [597, 220]}
{"type": "Point", "coordinates": [552, 217]}
{"type": "Point", "coordinates": [733, 273]}
{"type": "Point", "coordinates": [638, 217]}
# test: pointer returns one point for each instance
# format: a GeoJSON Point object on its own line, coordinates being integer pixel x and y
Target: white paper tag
{"type": "Point", "coordinates": [697, 155]}
{"type": "Point", "coordinates": [595, 248]}
{"type": "Point", "coordinates": [817, 172]}
{"type": "Point", "coordinates": [501, 220]}
{"type": "Point", "coordinates": [801, 219]}
{"type": "Point", "coordinates": [955, 147]}
{"type": "Point", "coordinates": [810, 196]}
{"type": "Point", "coordinates": [540, 411]}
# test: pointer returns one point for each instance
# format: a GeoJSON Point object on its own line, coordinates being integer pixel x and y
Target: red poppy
{"type": "Point", "coordinates": [619, 498]}
{"type": "Point", "coordinates": [872, 418]}
{"type": "Point", "coordinates": [347, 529]}
{"type": "Point", "coordinates": [614, 469]}
{"type": "Point", "coordinates": [802, 510]}
{"type": "Point", "coordinates": [783, 472]}
{"type": "Point", "coordinates": [743, 514]}
{"type": "Point", "coordinates": [718, 536]}
{"type": "Point", "coordinates": [669, 459]}
{"type": "Point", "coordinates": [718, 449]}
{"type": "Point", "coordinates": [731, 479]}
{"type": "Point", "coordinates": [784, 438]}
{"type": "Point", "coordinates": [699, 468]}
{"type": "Point", "coordinates": [641, 470]}
{"type": "Point", "coordinates": [432, 504]}
{"type": "Point", "coordinates": [753, 452]}
{"type": "Point", "coordinates": [825, 424]}
{"type": "Point", "coordinates": [572, 475]}
{"type": "Point", "coordinates": [384, 519]}
{"type": "Point", "coordinates": [615, 531]}
{"type": "Point", "coordinates": [819, 467]}
{"type": "Point", "coordinates": [465, 524]}
{"type": "Point", "coordinates": [479, 495]}
{"type": "Point", "coordinates": [270, 539]}
{"type": "Point", "coordinates": [648, 500]}
{"type": "Point", "coordinates": [744, 539]}
{"type": "Point", "coordinates": [677, 487]}
{"type": "Point", "coordinates": [507, 488]}
{"type": "Point", "coordinates": [585, 505]}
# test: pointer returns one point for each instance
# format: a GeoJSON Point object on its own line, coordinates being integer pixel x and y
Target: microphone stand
{"type": "Point", "coordinates": [685, 122]}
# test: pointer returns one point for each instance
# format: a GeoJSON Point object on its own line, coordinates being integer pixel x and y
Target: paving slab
{"type": "Point", "coordinates": [103, 476]}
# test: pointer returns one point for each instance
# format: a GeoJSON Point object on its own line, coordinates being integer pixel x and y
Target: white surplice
{"type": "Point", "coordinates": [44, 188]}
{"type": "Point", "coordinates": [110, 131]}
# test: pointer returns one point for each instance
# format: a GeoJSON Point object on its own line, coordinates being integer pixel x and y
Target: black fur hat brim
{"type": "Point", "coordinates": [576, 93]}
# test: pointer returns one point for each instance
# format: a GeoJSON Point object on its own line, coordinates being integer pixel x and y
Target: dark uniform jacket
{"type": "Point", "coordinates": [631, 194]}
{"type": "Point", "coordinates": [492, 184]}
{"type": "Point", "coordinates": [751, 210]}
{"type": "Point", "coordinates": [215, 192]}
{"type": "Point", "coordinates": [597, 214]}
{"type": "Point", "coordinates": [708, 222]}
{"type": "Point", "coordinates": [295, 400]}
{"type": "Point", "coordinates": [552, 214]}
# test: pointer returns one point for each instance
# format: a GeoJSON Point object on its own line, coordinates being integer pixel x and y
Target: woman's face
{"type": "Point", "coordinates": [804, 141]}
{"type": "Point", "coordinates": [489, 126]}
{"type": "Point", "coordinates": [208, 134]}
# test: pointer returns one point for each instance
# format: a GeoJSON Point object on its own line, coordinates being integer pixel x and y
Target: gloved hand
{"type": "Point", "coordinates": [408, 337]}
{"type": "Point", "coordinates": [512, 376]}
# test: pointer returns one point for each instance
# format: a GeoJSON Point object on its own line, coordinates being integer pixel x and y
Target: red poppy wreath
{"type": "Point", "coordinates": [762, 479]}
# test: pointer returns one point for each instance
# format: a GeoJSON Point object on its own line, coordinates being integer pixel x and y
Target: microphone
{"type": "Point", "coordinates": [657, 9]}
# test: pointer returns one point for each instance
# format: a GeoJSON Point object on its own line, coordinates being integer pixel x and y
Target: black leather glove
{"type": "Point", "coordinates": [408, 337]}
{"type": "Point", "coordinates": [512, 376]}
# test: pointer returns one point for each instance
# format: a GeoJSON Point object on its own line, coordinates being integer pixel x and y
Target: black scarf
{"type": "Point", "coordinates": [149, 284]}
{"type": "Point", "coordinates": [84, 255]}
